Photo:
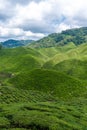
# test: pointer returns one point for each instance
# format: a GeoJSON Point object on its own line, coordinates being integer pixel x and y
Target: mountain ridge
{"type": "Point", "coordinates": [77, 36]}
{"type": "Point", "coordinates": [15, 43]}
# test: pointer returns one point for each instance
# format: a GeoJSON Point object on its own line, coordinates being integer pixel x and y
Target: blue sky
{"type": "Point", "coordinates": [34, 19]}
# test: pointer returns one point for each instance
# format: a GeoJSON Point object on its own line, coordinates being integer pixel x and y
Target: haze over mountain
{"type": "Point", "coordinates": [15, 43]}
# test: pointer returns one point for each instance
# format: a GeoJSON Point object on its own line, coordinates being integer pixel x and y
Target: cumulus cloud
{"type": "Point", "coordinates": [18, 33]}
{"type": "Point", "coordinates": [34, 19]}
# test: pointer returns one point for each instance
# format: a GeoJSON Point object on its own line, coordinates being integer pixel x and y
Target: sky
{"type": "Point", "coordinates": [35, 19]}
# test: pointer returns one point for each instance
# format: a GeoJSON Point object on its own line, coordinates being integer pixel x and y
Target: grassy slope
{"type": "Point", "coordinates": [19, 58]}
{"type": "Point", "coordinates": [58, 58]}
{"type": "Point", "coordinates": [47, 90]}
{"type": "Point", "coordinates": [50, 82]}
{"type": "Point", "coordinates": [71, 62]}
{"type": "Point", "coordinates": [74, 67]}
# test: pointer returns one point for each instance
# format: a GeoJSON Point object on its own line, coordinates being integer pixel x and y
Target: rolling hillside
{"type": "Point", "coordinates": [72, 62]}
{"type": "Point", "coordinates": [74, 67]}
{"type": "Point", "coordinates": [19, 58]}
{"type": "Point", "coordinates": [43, 86]}
{"type": "Point", "coordinates": [50, 82]}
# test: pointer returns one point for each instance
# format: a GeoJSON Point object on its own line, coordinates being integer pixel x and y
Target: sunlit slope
{"type": "Point", "coordinates": [76, 57]}
{"type": "Point", "coordinates": [52, 51]}
{"type": "Point", "coordinates": [69, 59]}
{"type": "Point", "coordinates": [18, 59]}
{"type": "Point", "coordinates": [76, 68]}
{"type": "Point", "coordinates": [27, 58]}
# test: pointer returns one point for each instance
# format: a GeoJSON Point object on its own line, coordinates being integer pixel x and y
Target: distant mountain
{"type": "Point", "coordinates": [76, 36]}
{"type": "Point", "coordinates": [15, 43]}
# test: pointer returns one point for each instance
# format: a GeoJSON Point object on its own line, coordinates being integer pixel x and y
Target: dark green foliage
{"type": "Point", "coordinates": [44, 116]}
{"type": "Point", "coordinates": [14, 95]}
{"type": "Point", "coordinates": [4, 122]}
{"type": "Point", "coordinates": [74, 32]}
{"type": "Point", "coordinates": [55, 83]}
{"type": "Point", "coordinates": [77, 36]}
{"type": "Point", "coordinates": [78, 40]}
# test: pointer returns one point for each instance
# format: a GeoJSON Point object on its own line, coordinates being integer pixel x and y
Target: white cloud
{"type": "Point", "coordinates": [6, 33]}
{"type": "Point", "coordinates": [36, 18]}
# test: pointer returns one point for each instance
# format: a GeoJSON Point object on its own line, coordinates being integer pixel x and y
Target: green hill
{"type": "Point", "coordinates": [43, 86]}
{"type": "Point", "coordinates": [77, 36]}
{"type": "Point", "coordinates": [18, 59]}
{"type": "Point", "coordinates": [72, 61]}
{"type": "Point", "coordinates": [50, 82]}
{"type": "Point", "coordinates": [75, 68]}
